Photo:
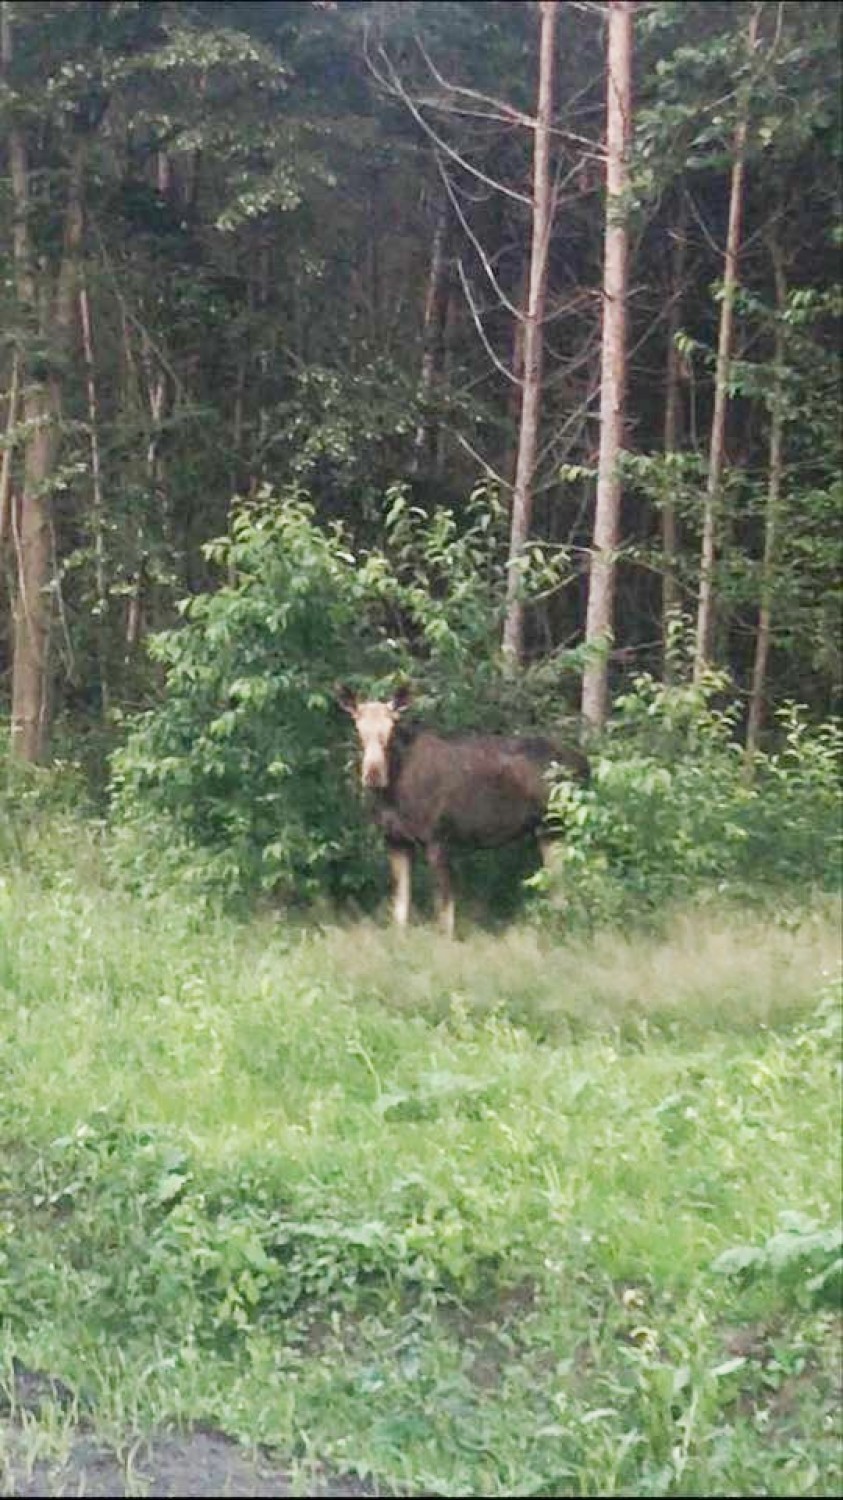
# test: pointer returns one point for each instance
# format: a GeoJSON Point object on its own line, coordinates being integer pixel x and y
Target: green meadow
{"type": "Point", "coordinates": [512, 1215]}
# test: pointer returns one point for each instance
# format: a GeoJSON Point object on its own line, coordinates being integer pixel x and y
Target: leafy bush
{"type": "Point", "coordinates": [802, 1256]}
{"type": "Point", "coordinates": [672, 811]}
{"type": "Point", "coordinates": [240, 779]}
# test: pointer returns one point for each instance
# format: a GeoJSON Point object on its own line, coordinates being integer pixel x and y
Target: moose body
{"type": "Point", "coordinates": [436, 791]}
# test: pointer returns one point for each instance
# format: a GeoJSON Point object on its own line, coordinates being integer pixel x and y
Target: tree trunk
{"type": "Point", "coordinates": [97, 505]}
{"type": "Point", "coordinates": [706, 601]}
{"type": "Point", "coordinates": [6, 463]}
{"type": "Point", "coordinates": [48, 311]}
{"type": "Point", "coordinates": [771, 520]}
{"type": "Point", "coordinates": [671, 600]}
{"type": "Point", "coordinates": [522, 496]}
{"type": "Point", "coordinates": [449, 339]}
{"type": "Point", "coordinates": [435, 307]}
{"type": "Point", "coordinates": [30, 520]}
{"type": "Point", "coordinates": [32, 608]}
{"type": "Point", "coordinates": [509, 466]}
{"type": "Point", "coordinates": [600, 614]}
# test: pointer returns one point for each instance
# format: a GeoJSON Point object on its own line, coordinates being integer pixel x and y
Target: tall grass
{"type": "Point", "coordinates": [458, 1215]}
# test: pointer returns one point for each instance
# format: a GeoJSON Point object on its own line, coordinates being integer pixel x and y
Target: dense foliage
{"type": "Point", "coordinates": [247, 198]}
{"type": "Point", "coordinates": [673, 812]}
{"type": "Point", "coordinates": [243, 773]}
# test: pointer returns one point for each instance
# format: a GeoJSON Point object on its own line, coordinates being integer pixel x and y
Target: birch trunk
{"type": "Point", "coordinates": [97, 505]}
{"type": "Point", "coordinates": [771, 522]}
{"type": "Point", "coordinates": [522, 495]}
{"type": "Point", "coordinates": [671, 600]}
{"type": "Point", "coordinates": [601, 592]}
{"type": "Point", "coordinates": [706, 599]}
{"type": "Point", "coordinates": [424, 446]}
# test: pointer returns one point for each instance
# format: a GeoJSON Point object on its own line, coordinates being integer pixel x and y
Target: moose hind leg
{"type": "Point", "coordinates": [400, 864]}
{"type": "Point", "coordinates": [438, 860]}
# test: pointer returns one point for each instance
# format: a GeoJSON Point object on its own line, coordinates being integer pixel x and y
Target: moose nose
{"type": "Point", "coordinates": [374, 775]}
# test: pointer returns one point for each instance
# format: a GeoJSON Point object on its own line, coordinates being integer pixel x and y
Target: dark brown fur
{"type": "Point", "coordinates": [435, 791]}
{"type": "Point", "coordinates": [478, 789]}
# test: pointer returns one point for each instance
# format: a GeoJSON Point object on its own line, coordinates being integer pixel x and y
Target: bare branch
{"type": "Point", "coordinates": [496, 360]}
{"type": "Point", "coordinates": [472, 237]}
{"type": "Point", "coordinates": [392, 84]}
{"type": "Point", "coordinates": [504, 112]}
{"type": "Point", "coordinates": [492, 473]}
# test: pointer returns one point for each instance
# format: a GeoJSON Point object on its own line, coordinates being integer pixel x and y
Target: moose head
{"type": "Point", "coordinates": [375, 722]}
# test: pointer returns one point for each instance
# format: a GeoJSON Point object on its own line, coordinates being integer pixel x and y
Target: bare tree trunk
{"type": "Point", "coordinates": [30, 521]}
{"type": "Point", "coordinates": [98, 509]}
{"type": "Point", "coordinates": [706, 600]}
{"type": "Point", "coordinates": [156, 477]}
{"type": "Point", "coordinates": [32, 608]}
{"type": "Point", "coordinates": [449, 339]}
{"type": "Point", "coordinates": [6, 464]}
{"type": "Point", "coordinates": [671, 600]}
{"type": "Point", "coordinates": [434, 322]}
{"type": "Point", "coordinates": [49, 311]}
{"type": "Point", "coordinates": [522, 496]}
{"type": "Point", "coordinates": [771, 520]}
{"type": "Point", "coordinates": [262, 361]}
{"type": "Point", "coordinates": [134, 401]}
{"type": "Point", "coordinates": [509, 467]}
{"type": "Point", "coordinates": [601, 591]}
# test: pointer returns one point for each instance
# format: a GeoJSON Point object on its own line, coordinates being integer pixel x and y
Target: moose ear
{"type": "Point", "coordinates": [400, 698]}
{"type": "Point", "coordinates": [346, 697]}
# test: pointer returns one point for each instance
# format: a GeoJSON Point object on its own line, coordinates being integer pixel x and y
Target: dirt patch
{"type": "Point", "coordinates": [62, 1457]}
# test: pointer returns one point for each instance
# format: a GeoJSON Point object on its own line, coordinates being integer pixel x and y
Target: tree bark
{"type": "Point", "coordinates": [449, 339]}
{"type": "Point", "coordinates": [522, 496]}
{"type": "Point", "coordinates": [601, 592]}
{"type": "Point", "coordinates": [424, 446]}
{"type": "Point", "coordinates": [97, 506]}
{"type": "Point", "coordinates": [706, 599]}
{"type": "Point", "coordinates": [771, 519]}
{"type": "Point", "coordinates": [509, 466]}
{"type": "Point", "coordinates": [48, 309]}
{"type": "Point", "coordinates": [32, 608]}
{"type": "Point", "coordinates": [6, 464]}
{"type": "Point", "coordinates": [671, 599]}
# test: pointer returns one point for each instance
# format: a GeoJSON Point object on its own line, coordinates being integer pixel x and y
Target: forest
{"type": "Point", "coordinates": [489, 351]}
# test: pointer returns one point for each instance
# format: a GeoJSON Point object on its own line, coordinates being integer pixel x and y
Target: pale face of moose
{"type": "Point", "coordinates": [375, 723]}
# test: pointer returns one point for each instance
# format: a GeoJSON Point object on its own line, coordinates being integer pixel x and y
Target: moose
{"type": "Point", "coordinates": [435, 791]}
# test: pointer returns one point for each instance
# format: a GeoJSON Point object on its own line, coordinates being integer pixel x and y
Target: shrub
{"type": "Point", "coordinates": [239, 779]}
{"type": "Point", "coordinates": [672, 813]}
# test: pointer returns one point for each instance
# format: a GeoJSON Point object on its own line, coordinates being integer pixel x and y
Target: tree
{"type": "Point", "coordinates": [533, 346]}
{"type": "Point", "coordinates": [672, 422]}
{"type": "Point", "coordinates": [599, 620]}
{"type": "Point", "coordinates": [46, 301]}
{"type": "Point", "coordinates": [717, 449]}
{"type": "Point", "coordinates": [772, 514]}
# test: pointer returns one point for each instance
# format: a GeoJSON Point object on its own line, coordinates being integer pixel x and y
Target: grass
{"type": "Point", "coordinates": [449, 1214]}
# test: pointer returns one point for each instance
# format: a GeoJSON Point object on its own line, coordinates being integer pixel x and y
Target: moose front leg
{"type": "Point", "coordinates": [400, 865]}
{"type": "Point", "coordinates": [438, 860]}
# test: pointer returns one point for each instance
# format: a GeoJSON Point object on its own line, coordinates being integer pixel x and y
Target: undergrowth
{"type": "Point", "coordinates": [516, 1215]}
